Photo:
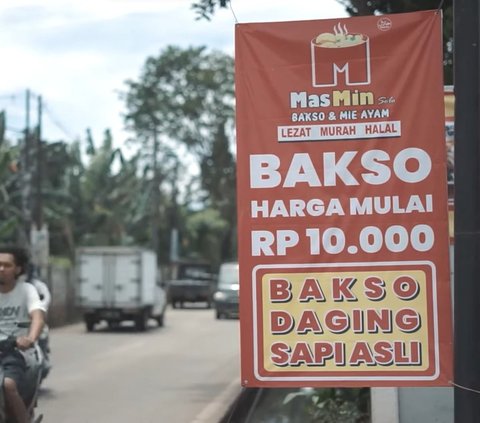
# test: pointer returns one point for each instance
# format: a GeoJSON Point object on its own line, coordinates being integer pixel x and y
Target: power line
{"type": "Point", "coordinates": [56, 121]}
{"type": "Point", "coordinates": [11, 97]}
{"type": "Point", "coordinates": [16, 130]}
{"type": "Point", "coordinates": [17, 96]}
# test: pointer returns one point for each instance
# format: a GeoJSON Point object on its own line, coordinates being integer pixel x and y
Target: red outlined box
{"type": "Point", "coordinates": [320, 374]}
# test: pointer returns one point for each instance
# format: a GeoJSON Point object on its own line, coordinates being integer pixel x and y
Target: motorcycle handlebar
{"type": "Point", "coordinates": [23, 324]}
{"type": "Point", "coordinates": [8, 344]}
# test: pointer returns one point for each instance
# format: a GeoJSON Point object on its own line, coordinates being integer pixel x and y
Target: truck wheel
{"type": "Point", "coordinates": [89, 324]}
{"type": "Point", "coordinates": [113, 324]}
{"type": "Point", "coordinates": [141, 321]}
{"type": "Point", "coordinates": [160, 320]}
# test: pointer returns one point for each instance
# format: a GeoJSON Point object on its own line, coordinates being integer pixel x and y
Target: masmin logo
{"type": "Point", "coordinates": [338, 53]}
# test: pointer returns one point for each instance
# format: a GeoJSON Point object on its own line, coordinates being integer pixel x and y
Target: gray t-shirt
{"type": "Point", "coordinates": [15, 308]}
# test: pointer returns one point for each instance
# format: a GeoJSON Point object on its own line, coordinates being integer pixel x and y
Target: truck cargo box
{"type": "Point", "coordinates": [118, 283]}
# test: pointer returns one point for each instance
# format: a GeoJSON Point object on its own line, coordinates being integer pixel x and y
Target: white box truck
{"type": "Point", "coordinates": [116, 284]}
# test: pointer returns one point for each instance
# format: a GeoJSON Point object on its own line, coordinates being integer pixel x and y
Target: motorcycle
{"type": "Point", "coordinates": [44, 345]}
{"type": "Point", "coordinates": [45, 297]}
{"type": "Point", "coordinates": [33, 360]}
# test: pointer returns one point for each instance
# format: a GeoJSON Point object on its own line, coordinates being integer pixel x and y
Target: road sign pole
{"type": "Point", "coordinates": [467, 211]}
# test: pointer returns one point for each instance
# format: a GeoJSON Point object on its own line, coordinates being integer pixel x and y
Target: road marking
{"type": "Point", "coordinates": [217, 408]}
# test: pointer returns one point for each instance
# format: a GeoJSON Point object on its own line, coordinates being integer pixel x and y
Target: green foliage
{"type": "Point", "coordinates": [10, 206]}
{"type": "Point", "coordinates": [183, 94]}
{"type": "Point", "coordinates": [107, 193]}
{"type": "Point", "coordinates": [219, 181]}
{"type": "Point", "coordinates": [90, 195]}
{"type": "Point", "coordinates": [336, 405]}
{"type": "Point", "coordinates": [8, 227]}
{"type": "Point", "coordinates": [2, 126]}
{"type": "Point", "coordinates": [93, 195]}
{"type": "Point", "coordinates": [185, 97]}
{"type": "Point", "coordinates": [206, 8]}
{"type": "Point", "coordinates": [370, 7]}
{"type": "Point", "coordinates": [206, 229]}
{"type": "Point", "coordinates": [313, 405]}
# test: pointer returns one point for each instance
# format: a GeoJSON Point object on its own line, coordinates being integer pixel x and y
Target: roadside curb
{"type": "Point", "coordinates": [216, 409]}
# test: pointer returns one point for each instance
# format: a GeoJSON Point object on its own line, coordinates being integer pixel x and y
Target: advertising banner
{"type": "Point", "coordinates": [342, 202]}
{"type": "Point", "coordinates": [450, 144]}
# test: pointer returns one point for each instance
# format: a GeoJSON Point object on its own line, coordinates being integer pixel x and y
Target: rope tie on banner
{"type": "Point", "coordinates": [440, 6]}
{"type": "Point", "coordinates": [464, 387]}
{"type": "Point", "coordinates": [233, 13]}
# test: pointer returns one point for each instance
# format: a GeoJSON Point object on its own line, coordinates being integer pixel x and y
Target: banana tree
{"type": "Point", "coordinates": [10, 210]}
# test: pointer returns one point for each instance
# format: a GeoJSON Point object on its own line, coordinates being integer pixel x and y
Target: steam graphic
{"type": "Point", "coordinates": [340, 52]}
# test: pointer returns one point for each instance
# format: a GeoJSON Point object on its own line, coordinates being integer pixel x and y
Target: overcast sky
{"type": "Point", "coordinates": [77, 54]}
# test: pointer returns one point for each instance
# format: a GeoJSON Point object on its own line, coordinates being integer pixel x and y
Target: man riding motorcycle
{"type": "Point", "coordinates": [45, 299]}
{"type": "Point", "coordinates": [19, 302]}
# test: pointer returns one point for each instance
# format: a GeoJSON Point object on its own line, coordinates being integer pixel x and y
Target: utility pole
{"type": "Point", "coordinates": [39, 237]}
{"type": "Point", "coordinates": [467, 211]}
{"type": "Point", "coordinates": [173, 218]}
{"type": "Point", "coordinates": [156, 190]}
{"type": "Point", "coordinates": [38, 210]}
{"type": "Point", "coordinates": [3, 125]}
{"type": "Point", "coordinates": [25, 172]}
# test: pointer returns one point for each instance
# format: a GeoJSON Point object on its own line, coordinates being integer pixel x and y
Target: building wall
{"type": "Point", "coordinates": [426, 405]}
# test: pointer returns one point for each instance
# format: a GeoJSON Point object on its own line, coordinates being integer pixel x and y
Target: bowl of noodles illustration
{"type": "Point", "coordinates": [340, 52]}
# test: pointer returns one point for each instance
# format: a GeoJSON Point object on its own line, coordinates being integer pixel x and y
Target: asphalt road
{"type": "Point", "coordinates": [185, 372]}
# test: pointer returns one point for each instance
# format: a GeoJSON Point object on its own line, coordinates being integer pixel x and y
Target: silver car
{"type": "Point", "coordinates": [226, 297]}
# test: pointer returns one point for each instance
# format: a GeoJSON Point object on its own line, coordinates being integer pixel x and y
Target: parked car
{"type": "Point", "coordinates": [226, 296]}
{"type": "Point", "coordinates": [191, 282]}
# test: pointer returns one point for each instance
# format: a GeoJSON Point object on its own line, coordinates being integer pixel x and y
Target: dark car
{"type": "Point", "coordinates": [226, 297]}
{"type": "Point", "coordinates": [193, 282]}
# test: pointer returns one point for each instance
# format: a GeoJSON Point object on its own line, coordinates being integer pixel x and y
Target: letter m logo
{"type": "Point", "coordinates": [353, 62]}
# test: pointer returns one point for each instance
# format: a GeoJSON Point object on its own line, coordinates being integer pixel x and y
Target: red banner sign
{"type": "Point", "coordinates": [342, 194]}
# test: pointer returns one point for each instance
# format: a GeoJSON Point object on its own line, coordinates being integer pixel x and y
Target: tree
{"type": "Point", "coordinates": [10, 204]}
{"type": "Point", "coordinates": [91, 195]}
{"type": "Point", "coordinates": [2, 125]}
{"type": "Point", "coordinates": [206, 229]}
{"type": "Point", "coordinates": [219, 180]}
{"type": "Point", "coordinates": [74, 223]}
{"type": "Point", "coordinates": [182, 94]}
{"type": "Point", "coordinates": [206, 8]}
{"type": "Point", "coordinates": [106, 193]}
{"type": "Point", "coordinates": [60, 205]}
{"type": "Point", "coordinates": [182, 98]}
{"type": "Point", "coordinates": [94, 196]}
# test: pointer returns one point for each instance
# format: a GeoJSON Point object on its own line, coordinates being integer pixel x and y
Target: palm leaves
{"type": "Point", "coordinates": [10, 212]}
{"type": "Point", "coordinates": [93, 194]}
